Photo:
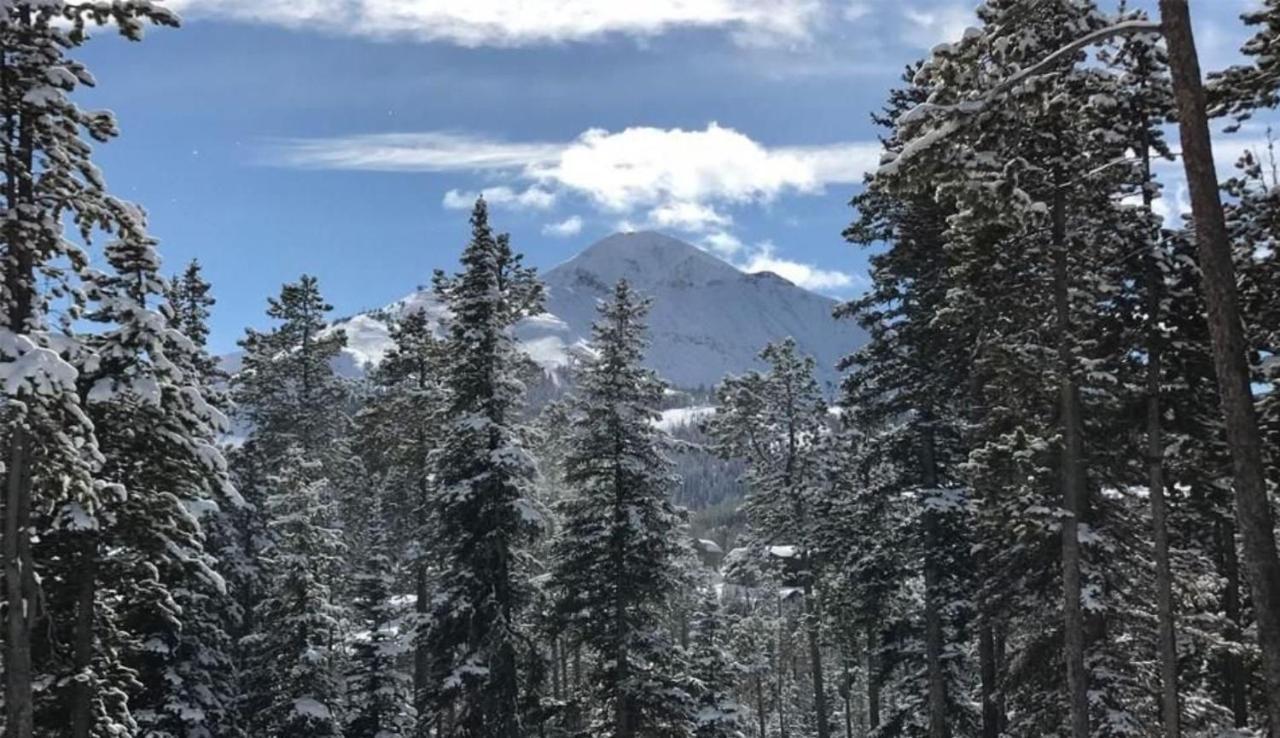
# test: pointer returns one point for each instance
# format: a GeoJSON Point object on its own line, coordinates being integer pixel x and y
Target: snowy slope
{"type": "Point", "coordinates": [708, 318]}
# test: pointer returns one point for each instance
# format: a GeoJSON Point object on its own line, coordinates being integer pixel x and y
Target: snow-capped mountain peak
{"type": "Point", "coordinates": [708, 318]}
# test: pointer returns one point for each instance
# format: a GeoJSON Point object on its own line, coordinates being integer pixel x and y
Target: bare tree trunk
{"type": "Point", "coordinates": [1234, 676]}
{"type": "Point", "coordinates": [873, 680]}
{"type": "Point", "coordinates": [933, 635]}
{"type": "Point", "coordinates": [19, 589]}
{"type": "Point", "coordinates": [1072, 477]}
{"type": "Point", "coordinates": [421, 656]}
{"type": "Point", "coordinates": [1253, 510]}
{"type": "Point", "coordinates": [987, 667]}
{"type": "Point", "coordinates": [1155, 480]}
{"type": "Point", "coordinates": [782, 673]}
{"type": "Point", "coordinates": [761, 717]}
{"type": "Point", "coordinates": [19, 564]}
{"type": "Point", "coordinates": [82, 659]}
{"type": "Point", "coordinates": [812, 625]}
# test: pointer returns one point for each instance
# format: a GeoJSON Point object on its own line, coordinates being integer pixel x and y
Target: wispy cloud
{"type": "Point", "coordinates": [566, 228]}
{"type": "Point", "coordinates": [674, 177]}
{"type": "Point", "coordinates": [529, 22]}
{"type": "Point", "coordinates": [765, 259]}
{"type": "Point", "coordinates": [531, 198]}
{"type": "Point", "coordinates": [434, 151]}
{"type": "Point", "coordinates": [670, 179]}
{"type": "Point", "coordinates": [927, 26]}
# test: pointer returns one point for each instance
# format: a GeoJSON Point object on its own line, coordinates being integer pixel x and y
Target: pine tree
{"type": "Point", "coordinates": [1246, 88]}
{"type": "Point", "coordinates": [475, 638]}
{"type": "Point", "coordinates": [718, 714]}
{"type": "Point", "coordinates": [616, 558]}
{"type": "Point", "coordinates": [293, 651]}
{"type": "Point", "coordinates": [50, 448]}
{"type": "Point", "coordinates": [777, 422]}
{"type": "Point", "coordinates": [293, 466]}
{"type": "Point", "coordinates": [378, 692]}
{"type": "Point", "coordinates": [157, 434]}
{"type": "Point", "coordinates": [409, 394]}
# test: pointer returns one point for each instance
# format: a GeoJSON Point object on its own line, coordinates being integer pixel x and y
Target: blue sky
{"type": "Point", "coordinates": [346, 138]}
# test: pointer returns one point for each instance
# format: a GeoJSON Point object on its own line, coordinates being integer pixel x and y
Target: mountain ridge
{"type": "Point", "coordinates": [707, 319]}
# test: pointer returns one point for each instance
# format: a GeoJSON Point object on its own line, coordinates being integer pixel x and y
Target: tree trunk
{"type": "Point", "coordinates": [933, 635]}
{"type": "Point", "coordinates": [1155, 485]}
{"type": "Point", "coordinates": [1072, 477]}
{"type": "Point", "coordinates": [421, 656]}
{"type": "Point", "coordinates": [987, 666]}
{"type": "Point", "coordinates": [1237, 682]}
{"type": "Point", "coordinates": [82, 658]}
{"type": "Point", "coordinates": [19, 563]}
{"type": "Point", "coordinates": [19, 589]}
{"type": "Point", "coordinates": [873, 680]}
{"type": "Point", "coordinates": [1253, 510]}
{"type": "Point", "coordinates": [782, 674]}
{"type": "Point", "coordinates": [761, 717]}
{"type": "Point", "coordinates": [812, 632]}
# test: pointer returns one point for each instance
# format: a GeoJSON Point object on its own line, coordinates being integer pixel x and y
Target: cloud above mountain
{"type": "Point", "coordinates": [685, 180]}
{"type": "Point", "coordinates": [510, 24]}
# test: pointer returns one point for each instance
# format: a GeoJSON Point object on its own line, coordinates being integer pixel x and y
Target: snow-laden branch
{"type": "Point", "coordinates": [978, 104]}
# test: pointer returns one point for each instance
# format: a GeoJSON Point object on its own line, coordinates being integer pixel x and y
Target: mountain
{"type": "Point", "coordinates": [708, 318]}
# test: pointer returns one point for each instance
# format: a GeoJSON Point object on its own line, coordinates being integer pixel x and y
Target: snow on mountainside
{"type": "Point", "coordinates": [708, 318]}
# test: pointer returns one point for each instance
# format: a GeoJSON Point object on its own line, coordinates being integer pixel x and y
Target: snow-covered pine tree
{"type": "Point", "coordinates": [290, 467]}
{"type": "Point", "coordinates": [296, 689]}
{"type": "Point", "coordinates": [50, 181]}
{"type": "Point", "coordinates": [190, 303]}
{"type": "Point", "coordinates": [157, 433]}
{"type": "Point", "coordinates": [1243, 89]}
{"type": "Point", "coordinates": [902, 406]}
{"type": "Point", "coordinates": [476, 639]}
{"type": "Point", "coordinates": [286, 387]}
{"type": "Point", "coordinates": [616, 557]}
{"type": "Point", "coordinates": [379, 692]}
{"type": "Point", "coordinates": [399, 431]}
{"type": "Point", "coordinates": [718, 714]}
{"type": "Point", "coordinates": [778, 421]}
{"type": "Point", "coordinates": [1035, 202]}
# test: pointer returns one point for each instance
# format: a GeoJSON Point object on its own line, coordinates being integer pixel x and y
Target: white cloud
{"type": "Point", "coordinates": [436, 151]}
{"type": "Point", "coordinates": [505, 23]}
{"type": "Point", "coordinates": [723, 243]}
{"type": "Point", "coordinates": [642, 177]}
{"type": "Point", "coordinates": [532, 198]}
{"type": "Point", "coordinates": [676, 175]}
{"type": "Point", "coordinates": [687, 216]}
{"type": "Point", "coordinates": [765, 259]}
{"type": "Point", "coordinates": [928, 27]}
{"type": "Point", "coordinates": [570, 226]}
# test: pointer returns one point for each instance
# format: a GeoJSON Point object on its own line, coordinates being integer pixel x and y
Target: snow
{"type": "Point", "coordinates": [31, 368]}
{"type": "Point", "coordinates": [682, 417]}
{"type": "Point", "coordinates": [709, 546]}
{"type": "Point", "coordinates": [311, 708]}
{"type": "Point", "coordinates": [783, 552]}
{"type": "Point", "coordinates": [708, 318]}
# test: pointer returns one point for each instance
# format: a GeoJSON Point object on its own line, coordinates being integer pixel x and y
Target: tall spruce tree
{"type": "Point", "coordinates": [399, 431]}
{"type": "Point", "coordinates": [378, 691]}
{"type": "Point", "coordinates": [616, 556]}
{"type": "Point", "coordinates": [49, 182]}
{"type": "Point", "coordinates": [293, 462]}
{"type": "Point", "coordinates": [484, 474]}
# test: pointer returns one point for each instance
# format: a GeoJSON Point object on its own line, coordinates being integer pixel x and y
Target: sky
{"type": "Point", "coordinates": [348, 139]}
